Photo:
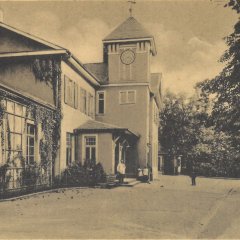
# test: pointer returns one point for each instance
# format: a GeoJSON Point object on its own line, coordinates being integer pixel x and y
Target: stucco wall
{"type": "Point", "coordinates": [72, 118]}
{"type": "Point", "coordinates": [153, 137]}
{"type": "Point", "coordinates": [132, 116]}
{"type": "Point", "coordinates": [104, 153]}
{"type": "Point", "coordinates": [18, 75]}
{"type": "Point", "coordinates": [139, 70]}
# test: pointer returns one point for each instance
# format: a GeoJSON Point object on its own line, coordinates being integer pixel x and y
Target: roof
{"type": "Point", "coordinates": [129, 29]}
{"type": "Point", "coordinates": [96, 126]}
{"type": "Point", "coordinates": [70, 59]}
{"type": "Point", "coordinates": [30, 36]}
{"type": "Point", "coordinates": [99, 70]}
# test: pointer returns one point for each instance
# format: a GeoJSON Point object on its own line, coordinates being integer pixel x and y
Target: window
{"type": "Point", "coordinates": [71, 92]}
{"type": "Point", "coordinates": [91, 105]}
{"type": "Point", "coordinates": [68, 149]}
{"type": "Point", "coordinates": [14, 129]}
{"type": "Point", "coordinates": [127, 97]}
{"type": "Point", "coordinates": [101, 102]}
{"type": "Point", "coordinates": [90, 144]}
{"type": "Point", "coordinates": [76, 89]}
{"type": "Point", "coordinates": [19, 133]}
{"type": "Point", "coordinates": [30, 144]}
{"type": "Point", "coordinates": [83, 101]}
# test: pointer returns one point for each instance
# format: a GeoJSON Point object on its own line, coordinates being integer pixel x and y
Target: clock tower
{"type": "Point", "coordinates": [127, 52]}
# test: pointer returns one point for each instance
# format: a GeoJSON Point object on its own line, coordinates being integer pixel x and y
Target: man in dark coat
{"type": "Point", "coordinates": [193, 176]}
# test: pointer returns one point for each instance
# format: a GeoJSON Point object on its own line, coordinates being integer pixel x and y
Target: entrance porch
{"type": "Point", "coordinates": [106, 144]}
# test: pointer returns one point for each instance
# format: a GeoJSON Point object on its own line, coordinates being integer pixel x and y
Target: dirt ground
{"type": "Point", "coordinates": [167, 208]}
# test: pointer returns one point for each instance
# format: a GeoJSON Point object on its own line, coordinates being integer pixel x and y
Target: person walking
{"type": "Point", "coordinates": [121, 168]}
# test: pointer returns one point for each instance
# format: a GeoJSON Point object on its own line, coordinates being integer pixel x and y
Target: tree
{"type": "Point", "coordinates": [186, 129]}
{"type": "Point", "coordinates": [178, 131]}
{"type": "Point", "coordinates": [225, 88]}
{"type": "Point", "coordinates": [214, 154]}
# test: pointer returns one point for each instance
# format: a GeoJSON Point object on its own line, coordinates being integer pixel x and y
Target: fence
{"type": "Point", "coordinates": [19, 180]}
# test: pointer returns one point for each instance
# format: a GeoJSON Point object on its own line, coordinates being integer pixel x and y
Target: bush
{"type": "Point", "coordinates": [29, 176]}
{"type": "Point", "coordinates": [88, 174]}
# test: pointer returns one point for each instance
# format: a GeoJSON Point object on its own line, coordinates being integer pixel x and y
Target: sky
{"type": "Point", "coordinates": [188, 33]}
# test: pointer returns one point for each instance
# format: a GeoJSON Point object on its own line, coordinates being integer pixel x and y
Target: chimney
{"type": "Point", "coordinates": [1, 15]}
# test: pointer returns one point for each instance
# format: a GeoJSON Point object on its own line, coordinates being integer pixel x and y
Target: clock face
{"type": "Point", "coordinates": [127, 57]}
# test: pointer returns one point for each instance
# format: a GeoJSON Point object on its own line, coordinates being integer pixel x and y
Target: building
{"type": "Point", "coordinates": [56, 110]}
{"type": "Point", "coordinates": [29, 88]}
{"type": "Point", "coordinates": [130, 95]}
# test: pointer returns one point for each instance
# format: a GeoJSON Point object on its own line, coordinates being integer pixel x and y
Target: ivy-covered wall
{"type": "Point", "coordinates": [45, 72]}
{"type": "Point", "coordinates": [19, 75]}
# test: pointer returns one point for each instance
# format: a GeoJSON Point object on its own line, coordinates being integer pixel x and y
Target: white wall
{"type": "Point", "coordinates": [72, 118]}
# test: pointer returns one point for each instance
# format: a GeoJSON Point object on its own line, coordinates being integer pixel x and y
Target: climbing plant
{"type": "Point", "coordinates": [45, 70]}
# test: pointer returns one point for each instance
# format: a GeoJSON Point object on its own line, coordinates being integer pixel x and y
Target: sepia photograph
{"type": "Point", "coordinates": [120, 119]}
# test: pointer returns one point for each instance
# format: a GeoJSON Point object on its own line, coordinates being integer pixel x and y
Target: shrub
{"type": "Point", "coordinates": [29, 176]}
{"type": "Point", "coordinates": [88, 174]}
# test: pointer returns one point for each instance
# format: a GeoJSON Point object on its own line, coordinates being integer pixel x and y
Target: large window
{"type": "Point", "coordinates": [100, 102]}
{"type": "Point", "coordinates": [14, 129]}
{"type": "Point", "coordinates": [127, 97]}
{"type": "Point", "coordinates": [19, 134]}
{"type": "Point", "coordinates": [30, 156]}
{"type": "Point", "coordinates": [69, 148]}
{"type": "Point", "coordinates": [90, 143]}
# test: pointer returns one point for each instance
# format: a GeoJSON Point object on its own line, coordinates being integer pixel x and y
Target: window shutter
{"type": "Point", "coordinates": [66, 97]}
{"type": "Point", "coordinates": [75, 95]}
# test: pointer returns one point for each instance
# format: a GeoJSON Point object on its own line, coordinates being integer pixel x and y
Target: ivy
{"type": "Point", "coordinates": [48, 70]}
{"type": "Point", "coordinates": [45, 70]}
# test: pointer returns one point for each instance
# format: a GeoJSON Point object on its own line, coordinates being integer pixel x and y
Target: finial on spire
{"type": "Point", "coordinates": [131, 6]}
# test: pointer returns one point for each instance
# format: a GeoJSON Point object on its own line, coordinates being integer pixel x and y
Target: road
{"type": "Point", "coordinates": [168, 208]}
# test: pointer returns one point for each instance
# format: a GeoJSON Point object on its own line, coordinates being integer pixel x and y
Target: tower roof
{"type": "Point", "coordinates": [129, 29]}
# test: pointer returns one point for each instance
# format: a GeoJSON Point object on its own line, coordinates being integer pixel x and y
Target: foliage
{"type": "Point", "coordinates": [225, 88]}
{"type": "Point", "coordinates": [48, 71]}
{"type": "Point", "coordinates": [234, 4]}
{"type": "Point", "coordinates": [3, 177]}
{"type": "Point", "coordinates": [214, 155]}
{"type": "Point", "coordinates": [188, 129]}
{"type": "Point", "coordinates": [30, 175]}
{"type": "Point", "coordinates": [178, 130]}
{"type": "Point", "coordinates": [88, 174]}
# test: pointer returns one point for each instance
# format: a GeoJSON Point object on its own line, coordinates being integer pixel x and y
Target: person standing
{"type": "Point", "coordinates": [193, 177]}
{"type": "Point", "coordinates": [179, 169]}
{"type": "Point", "coordinates": [121, 169]}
